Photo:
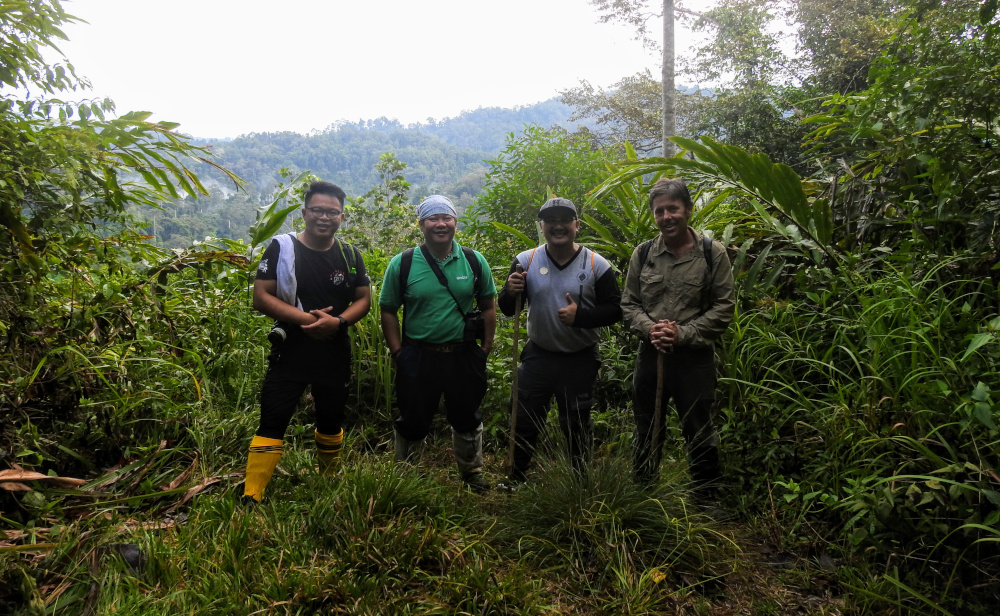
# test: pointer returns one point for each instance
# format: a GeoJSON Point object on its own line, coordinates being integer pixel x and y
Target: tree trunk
{"type": "Point", "coordinates": [669, 91]}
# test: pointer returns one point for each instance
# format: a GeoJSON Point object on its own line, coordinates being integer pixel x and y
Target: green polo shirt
{"type": "Point", "coordinates": [431, 313]}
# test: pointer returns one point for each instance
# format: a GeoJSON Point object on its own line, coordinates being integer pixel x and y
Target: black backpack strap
{"type": "Point", "coordinates": [706, 285]}
{"type": "Point", "coordinates": [477, 271]}
{"type": "Point", "coordinates": [643, 255]}
{"type": "Point", "coordinates": [405, 263]}
{"type": "Point", "coordinates": [706, 247]}
{"type": "Point", "coordinates": [644, 252]}
{"type": "Point", "coordinates": [440, 276]}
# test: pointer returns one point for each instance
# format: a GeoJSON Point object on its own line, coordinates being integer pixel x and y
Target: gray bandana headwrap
{"type": "Point", "coordinates": [436, 204]}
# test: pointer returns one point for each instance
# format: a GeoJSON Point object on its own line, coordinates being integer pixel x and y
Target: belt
{"type": "Point", "coordinates": [447, 347]}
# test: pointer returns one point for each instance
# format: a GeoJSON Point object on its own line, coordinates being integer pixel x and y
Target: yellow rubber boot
{"type": "Point", "coordinates": [264, 456]}
{"type": "Point", "coordinates": [328, 449]}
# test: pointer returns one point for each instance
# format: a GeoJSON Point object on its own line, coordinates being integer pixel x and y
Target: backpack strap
{"type": "Point", "coordinates": [643, 255]}
{"type": "Point", "coordinates": [706, 247]}
{"type": "Point", "coordinates": [405, 263]}
{"type": "Point", "coordinates": [477, 271]}
{"type": "Point", "coordinates": [350, 257]}
{"type": "Point", "coordinates": [706, 286]}
{"type": "Point", "coordinates": [644, 252]}
{"type": "Point", "coordinates": [530, 257]}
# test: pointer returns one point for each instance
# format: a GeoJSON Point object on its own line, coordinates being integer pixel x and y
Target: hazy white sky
{"type": "Point", "coordinates": [225, 67]}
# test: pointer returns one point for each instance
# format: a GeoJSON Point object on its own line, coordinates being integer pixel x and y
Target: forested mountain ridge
{"type": "Point", "coordinates": [437, 153]}
{"type": "Point", "coordinates": [441, 156]}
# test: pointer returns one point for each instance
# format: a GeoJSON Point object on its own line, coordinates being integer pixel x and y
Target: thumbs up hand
{"type": "Point", "coordinates": [567, 314]}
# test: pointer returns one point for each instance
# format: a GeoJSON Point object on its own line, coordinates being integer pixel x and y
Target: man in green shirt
{"type": "Point", "coordinates": [436, 351]}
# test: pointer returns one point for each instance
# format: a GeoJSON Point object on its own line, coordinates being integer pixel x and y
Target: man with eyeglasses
{"type": "Point", "coordinates": [571, 292]}
{"type": "Point", "coordinates": [314, 286]}
{"type": "Point", "coordinates": [438, 350]}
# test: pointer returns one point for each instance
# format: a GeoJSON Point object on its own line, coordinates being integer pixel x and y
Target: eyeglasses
{"type": "Point", "coordinates": [319, 212]}
{"type": "Point", "coordinates": [559, 221]}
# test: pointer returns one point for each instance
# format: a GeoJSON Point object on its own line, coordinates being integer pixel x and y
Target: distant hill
{"type": "Point", "coordinates": [485, 129]}
{"type": "Point", "coordinates": [438, 153]}
{"type": "Point", "coordinates": [444, 156]}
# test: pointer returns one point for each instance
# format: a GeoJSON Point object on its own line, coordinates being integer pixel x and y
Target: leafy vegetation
{"type": "Point", "coordinates": [860, 364]}
{"type": "Point", "coordinates": [861, 425]}
{"type": "Point", "coordinates": [533, 166]}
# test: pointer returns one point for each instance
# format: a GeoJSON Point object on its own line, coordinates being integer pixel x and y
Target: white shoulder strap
{"type": "Point", "coordinates": [287, 285]}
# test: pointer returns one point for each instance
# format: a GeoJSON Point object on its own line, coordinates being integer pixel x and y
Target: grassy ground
{"type": "Point", "coordinates": [385, 539]}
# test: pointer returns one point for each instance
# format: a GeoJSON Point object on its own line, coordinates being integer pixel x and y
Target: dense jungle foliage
{"type": "Point", "coordinates": [856, 186]}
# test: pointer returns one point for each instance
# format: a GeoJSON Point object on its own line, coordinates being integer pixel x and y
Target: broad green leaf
{"type": "Point", "coordinates": [270, 225]}
{"type": "Point", "coordinates": [978, 340]}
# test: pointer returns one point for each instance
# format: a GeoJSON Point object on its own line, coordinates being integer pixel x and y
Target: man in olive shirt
{"type": "Point", "coordinates": [678, 303]}
{"type": "Point", "coordinates": [438, 284]}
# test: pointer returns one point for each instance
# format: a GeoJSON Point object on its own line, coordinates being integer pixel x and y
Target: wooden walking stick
{"type": "Point", "coordinates": [513, 393]}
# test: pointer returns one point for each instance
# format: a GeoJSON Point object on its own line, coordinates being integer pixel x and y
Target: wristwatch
{"type": "Point", "coordinates": [343, 321]}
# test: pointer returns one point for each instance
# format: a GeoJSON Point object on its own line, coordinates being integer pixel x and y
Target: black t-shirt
{"type": "Point", "coordinates": [323, 278]}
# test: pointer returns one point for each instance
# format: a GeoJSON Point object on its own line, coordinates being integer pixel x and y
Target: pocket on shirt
{"type": "Point", "coordinates": [692, 293]}
{"type": "Point", "coordinates": [653, 288]}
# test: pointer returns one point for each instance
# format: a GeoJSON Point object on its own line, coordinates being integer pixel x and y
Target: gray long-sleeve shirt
{"type": "Point", "coordinates": [669, 287]}
{"type": "Point", "coordinates": [590, 281]}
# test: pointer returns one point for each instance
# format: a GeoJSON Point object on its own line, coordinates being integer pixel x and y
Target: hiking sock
{"type": "Point", "coordinates": [264, 456]}
{"type": "Point", "coordinates": [328, 449]}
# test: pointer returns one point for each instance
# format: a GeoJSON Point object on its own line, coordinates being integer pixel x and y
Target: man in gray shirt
{"type": "Point", "coordinates": [571, 292]}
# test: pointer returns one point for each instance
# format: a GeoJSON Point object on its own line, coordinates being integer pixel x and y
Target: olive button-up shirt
{"type": "Point", "coordinates": [669, 288]}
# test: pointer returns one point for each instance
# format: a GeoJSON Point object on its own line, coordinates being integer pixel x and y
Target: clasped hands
{"type": "Point", "coordinates": [325, 326]}
{"type": "Point", "coordinates": [663, 335]}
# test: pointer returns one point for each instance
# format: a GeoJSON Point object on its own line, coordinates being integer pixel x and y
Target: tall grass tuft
{"type": "Point", "coordinates": [862, 412]}
{"type": "Point", "coordinates": [639, 547]}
